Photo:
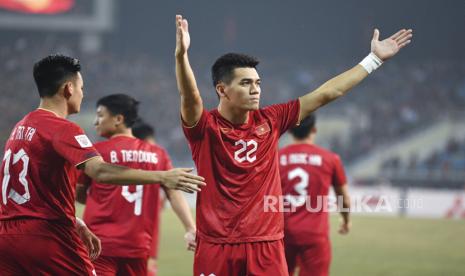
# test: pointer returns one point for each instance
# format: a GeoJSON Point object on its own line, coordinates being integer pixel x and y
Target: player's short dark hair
{"type": "Point", "coordinates": [52, 71]}
{"type": "Point", "coordinates": [223, 68]}
{"type": "Point", "coordinates": [303, 130]}
{"type": "Point", "coordinates": [142, 130]}
{"type": "Point", "coordinates": [121, 104]}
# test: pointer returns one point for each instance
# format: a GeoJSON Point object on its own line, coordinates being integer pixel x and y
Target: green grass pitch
{"type": "Point", "coordinates": [376, 246]}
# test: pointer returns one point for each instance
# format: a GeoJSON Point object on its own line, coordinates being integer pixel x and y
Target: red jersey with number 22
{"type": "Point", "coordinates": [240, 166]}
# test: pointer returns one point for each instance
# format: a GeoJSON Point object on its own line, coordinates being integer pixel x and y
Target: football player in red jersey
{"type": "Point", "coordinates": [235, 148]}
{"type": "Point", "coordinates": [38, 232]}
{"type": "Point", "coordinates": [124, 218]}
{"type": "Point", "coordinates": [307, 172]}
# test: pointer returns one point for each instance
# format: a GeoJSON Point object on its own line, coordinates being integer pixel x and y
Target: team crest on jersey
{"type": "Point", "coordinates": [83, 141]}
{"type": "Point", "coordinates": [225, 130]}
{"type": "Point", "coordinates": [262, 129]}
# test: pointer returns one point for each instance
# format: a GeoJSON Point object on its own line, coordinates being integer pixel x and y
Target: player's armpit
{"type": "Point", "coordinates": [81, 193]}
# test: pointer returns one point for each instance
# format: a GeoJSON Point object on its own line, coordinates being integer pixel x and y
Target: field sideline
{"type": "Point", "coordinates": [376, 246]}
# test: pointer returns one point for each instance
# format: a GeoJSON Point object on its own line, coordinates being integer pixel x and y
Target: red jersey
{"type": "Point", "coordinates": [240, 165]}
{"type": "Point", "coordinates": [124, 217]}
{"type": "Point", "coordinates": [307, 172]}
{"type": "Point", "coordinates": [38, 170]}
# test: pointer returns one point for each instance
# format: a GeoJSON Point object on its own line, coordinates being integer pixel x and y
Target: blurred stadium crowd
{"type": "Point", "coordinates": [398, 100]}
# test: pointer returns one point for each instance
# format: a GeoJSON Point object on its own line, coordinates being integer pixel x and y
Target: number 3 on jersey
{"type": "Point", "coordinates": [244, 146]}
{"type": "Point", "coordinates": [14, 195]}
{"type": "Point", "coordinates": [135, 197]}
{"type": "Point", "coordinates": [300, 187]}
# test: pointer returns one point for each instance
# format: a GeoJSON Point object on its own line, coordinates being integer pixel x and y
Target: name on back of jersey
{"type": "Point", "coordinates": [301, 159]}
{"type": "Point", "coordinates": [136, 156]}
{"type": "Point", "coordinates": [23, 133]}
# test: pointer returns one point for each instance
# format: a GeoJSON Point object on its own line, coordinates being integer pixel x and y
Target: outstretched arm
{"type": "Point", "coordinates": [178, 178]}
{"type": "Point", "coordinates": [341, 84]}
{"type": "Point", "coordinates": [191, 102]}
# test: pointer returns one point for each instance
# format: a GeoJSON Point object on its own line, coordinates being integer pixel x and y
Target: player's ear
{"type": "Point", "coordinates": [67, 89]}
{"type": "Point", "coordinates": [313, 131]}
{"type": "Point", "coordinates": [220, 90]}
{"type": "Point", "coordinates": [119, 119]}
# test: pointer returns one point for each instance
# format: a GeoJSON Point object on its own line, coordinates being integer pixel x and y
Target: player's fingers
{"type": "Point", "coordinates": [191, 186]}
{"type": "Point", "coordinates": [185, 25]}
{"type": "Point", "coordinates": [406, 35]}
{"type": "Point", "coordinates": [194, 181]}
{"type": "Point", "coordinates": [394, 36]}
{"type": "Point", "coordinates": [375, 35]}
{"type": "Point", "coordinates": [403, 39]}
{"type": "Point", "coordinates": [402, 45]}
{"type": "Point", "coordinates": [184, 189]}
{"type": "Point", "coordinates": [193, 176]}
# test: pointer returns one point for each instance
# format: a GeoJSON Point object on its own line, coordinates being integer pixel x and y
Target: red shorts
{"type": "Point", "coordinates": [254, 258]}
{"type": "Point", "coordinates": [313, 259]}
{"type": "Point", "coordinates": [41, 247]}
{"type": "Point", "coordinates": [112, 266]}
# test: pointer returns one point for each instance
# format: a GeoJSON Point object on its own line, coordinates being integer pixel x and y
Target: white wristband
{"type": "Point", "coordinates": [371, 62]}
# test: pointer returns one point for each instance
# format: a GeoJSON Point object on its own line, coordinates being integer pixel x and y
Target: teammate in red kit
{"type": "Point", "coordinates": [38, 232]}
{"type": "Point", "coordinates": [145, 132]}
{"type": "Point", "coordinates": [307, 172]}
{"type": "Point", "coordinates": [123, 217]}
{"type": "Point", "coordinates": [235, 148]}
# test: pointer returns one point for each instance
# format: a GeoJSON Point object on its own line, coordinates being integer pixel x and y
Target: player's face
{"type": "Point", "coordinates": [244, 90]}
{"type": "Point", "coordinates": [105, 122]}
{"type": "Point", "coordinates": [76, 98]}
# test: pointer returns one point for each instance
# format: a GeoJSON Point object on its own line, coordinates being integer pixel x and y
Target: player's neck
{"type": "Point", "coordinates": [234, 116]}
{"type": "Point", "coordinates": [53, 106]}
{"type": "Point", "coordinates": [308, 141]}
{"type": "Point", "coordinates": [124, 132]}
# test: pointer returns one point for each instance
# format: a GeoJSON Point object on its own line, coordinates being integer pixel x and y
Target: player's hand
{"type": "Point", "coordinates": [189, 237]}
{"type": "Point", "coordinates": [344, 228]}
{"type": "Point", "coordinates": [388, 47]}
{"type": "Point", "coordinates": [182, 179]}
{"type": "Point", "coordinates": [152, 266]}
{"type": "Point", "coordinates": [90, 240]}
{"type": "Point", "coordinates": [183, 39]}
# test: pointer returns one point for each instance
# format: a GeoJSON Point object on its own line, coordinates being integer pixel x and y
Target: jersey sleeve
{"type": "Point", "coordinates": [72, 144]}
{"type": "Point", "coordinates": [167, 165]}
{"type": "Point", "coordinates": [286, 115]}
{"type": "Point", "coordinates": [197, 131]}
{"type": "Point", "coordinates": [339, 176]}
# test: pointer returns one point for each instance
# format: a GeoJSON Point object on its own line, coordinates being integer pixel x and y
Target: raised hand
{"type": "Point", "coordinates": [183, 39]}
{"type": "Point", "coordinates": [182, 179]}
{"type": "Point", "coordinates": [388, 47]}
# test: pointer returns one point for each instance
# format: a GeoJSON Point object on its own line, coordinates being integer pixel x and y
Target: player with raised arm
{"type": "Point", "coordinates": [125, 217]}
{"type": "Point", "coordinates": [307, 172]}
{"type": "Point", "coordinates": [38, 232]}
{"type": "Point", "coordinates": [235, 148]}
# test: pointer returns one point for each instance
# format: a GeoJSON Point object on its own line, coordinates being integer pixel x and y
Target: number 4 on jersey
{"type": "Point", "coordinates": [134, 197]}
